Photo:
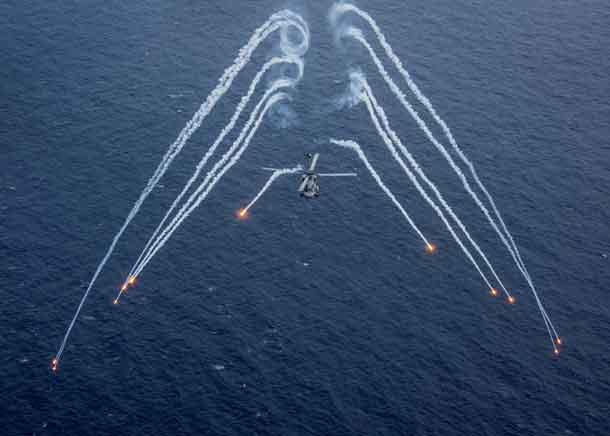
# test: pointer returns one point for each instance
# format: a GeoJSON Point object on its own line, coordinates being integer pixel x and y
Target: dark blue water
{"type": "Point", "coordinates": [322, 317]}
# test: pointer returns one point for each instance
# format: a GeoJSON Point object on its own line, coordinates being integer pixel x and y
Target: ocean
{"type": "Point", "coordinates": [322, 317]}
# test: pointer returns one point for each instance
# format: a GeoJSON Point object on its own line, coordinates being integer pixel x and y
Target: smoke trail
{"type": "Point", "coordinates": [227, 129]}
{"type": "Point", "coordinates": [267, 185]}
{"type": "Point", "coordinates": [291, 57]}
{"type": "Point", "coordinates": [341, 8]}
{"type": "Point", "coordinates": [353, 94]}
{"type": "Point", "coordinates": [356, 147]}
{"type": "Point", "coordinates": [170, 229]}
{"type": "Point", "coordinates": [373, 104]}
{"type": "Point", "coordinates": [281, 20]}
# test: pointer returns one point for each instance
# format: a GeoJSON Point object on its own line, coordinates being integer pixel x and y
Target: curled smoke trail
{"type": "Point", "coordinates": [341, 30]}
{"type": "Point", "coordinates": [282, 21]}
{"type": "Point", "coordinates": [353, 94]}
{"type": "Point", "coordinates": [274, 176]}
{"type": "Point", "coordinates": [283, 116]}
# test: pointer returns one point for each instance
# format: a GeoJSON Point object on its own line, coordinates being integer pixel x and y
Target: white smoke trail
{"type": "Point", "coordinates": [281, 20]}
{"type": "Point", "coordinates": [345, 7]}
{"type": "Point", "coordinates": [372, 104]}
{"type": "Point", "coordinates": [356, 147]}
{"type": "Point", "coordinates": [171, 228]}
{"type": "Point", "coordinates": [267, 185]}
{"type": "Point", "coordinates": [291, 57]}
{"type": "Point", "coordinates": [340, 8]}
{"type": "Point", "coordinates": [227, 129]}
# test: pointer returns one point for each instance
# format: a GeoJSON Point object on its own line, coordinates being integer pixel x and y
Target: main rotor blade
{"type": "Point", "coordinates": [302, 185]}
{"type": "Point", "coordinates": [314, 162]}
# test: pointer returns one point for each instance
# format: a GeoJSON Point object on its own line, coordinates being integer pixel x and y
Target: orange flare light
{"type": "Point", "coordinates": [494, 292]}
{"type": "Point", "coordinates": [54, 364]}
{"type": "Point", "coordinates": [430, 248]}
{"type": "Point", "coordinates": [242, 213]}
{"type": "Point", "coordinates": [131, 280]}
{"type": "Point", "coordinates": [556, 351]}
{"type": "Point", "coordinates": [116, 301]}
{"type": "Point", "coordinates": [124, 287]}
{"type": "Point", "coordinates": [511, 299]}
{"type": "Point", "coordinates": [558, 341]}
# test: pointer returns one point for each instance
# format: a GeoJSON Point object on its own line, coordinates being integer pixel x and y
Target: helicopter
{"type": "Point", "coordinates": [310, 180]}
